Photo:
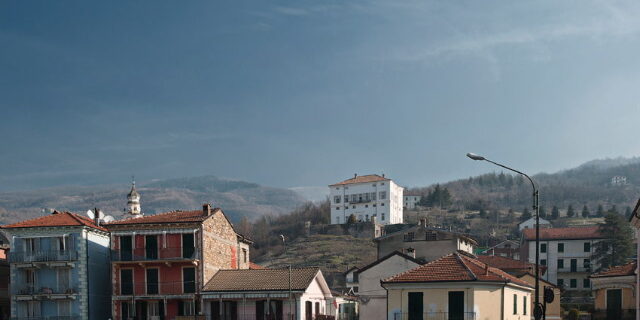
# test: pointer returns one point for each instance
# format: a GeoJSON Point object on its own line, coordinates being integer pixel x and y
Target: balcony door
{"type": "Point", "coordinates": [151, 247]}
{"type": "Point", "coordinates": [415, 307]}
{"type": "Point", "coordinates": [188, 248]}
{"type": "Point", "coordinates": [456, 305]}
{"type": "Point", "coordinates": [189, 280]}
{"type": "Point", "coordinates": [64, 279]}
{"type": "Point", "coordinates": [614, 304]}
{"type": "Point", "coordinates": [126, 281]}
{"type": "Point", "coordinates": [152, 281]}
{"type": "Point", "coordinates": [126, 248]}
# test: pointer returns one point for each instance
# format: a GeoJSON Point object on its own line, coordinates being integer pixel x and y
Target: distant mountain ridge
{"type": "Point", "coordinates": [588, 184]}
{"type": "Point", "coordinates": [236, 198]}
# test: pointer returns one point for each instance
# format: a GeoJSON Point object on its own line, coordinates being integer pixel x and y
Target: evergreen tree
{"type": "Point", "coordinates": [526, 214]}
{"type": "Point", "coordinates": [542, 212]}
{"type": "Point", "coordinates": [555, 213]}
{"type": "Point", "coordinates": [617, 246]}
{"type": "Point", "coordinates": [352, 219]}
{"type": "Point", "coordinates": [627, 212]}
{"type": "Point", "coordinates": [585, 211]}
{"type": "Point", "coordinates": [613, 209]}
{"type": "Point", "coordinates": [600, 211]}
{"type": "Point", "coordinates": [438, 197]}
{"type": "Point", "coordinates": [570, 212]}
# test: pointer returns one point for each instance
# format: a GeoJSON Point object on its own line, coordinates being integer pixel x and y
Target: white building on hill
{"type": "Point", "coordinates": [369, 197]}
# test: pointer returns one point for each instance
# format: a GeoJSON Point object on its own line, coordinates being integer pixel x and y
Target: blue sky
{"type": "Point", "coordinates": [306, 93]}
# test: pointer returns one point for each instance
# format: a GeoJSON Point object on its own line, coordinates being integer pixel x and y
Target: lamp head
{"type": "Point", "coordinates": [474, 156]}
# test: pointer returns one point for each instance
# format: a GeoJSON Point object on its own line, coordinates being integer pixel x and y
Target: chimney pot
{"type": "Point", "coordinates": [96, 216]}
{"type": "Point", "coordinates": [206, 209]}
{"type": "Point", "coordinates": [355, 175]}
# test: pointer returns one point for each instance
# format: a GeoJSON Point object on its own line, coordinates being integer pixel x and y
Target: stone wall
{"type": "Point", "coordinates": [220, 245]}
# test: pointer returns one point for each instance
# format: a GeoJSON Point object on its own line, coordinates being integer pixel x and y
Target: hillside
{"type": "Point", "coordinates": [588, 184]}
{"type": "Point", "coordinates": [237, 198]}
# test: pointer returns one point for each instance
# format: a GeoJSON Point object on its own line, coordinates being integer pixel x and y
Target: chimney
{"type": "Point", "coordinates": [486, 269]}
{"type": "Point", "coordinates": [423, 222]}
{"type": "Point", "coordinates": [383, 175]}
{"type": "Point", "coordinates": [206, 209]}
{"type": "Point", "coordinates": [96, 216]}
{"type": "Point", "coordinates": [355, 175]}
{"type": "Point", "coordinates": [411, 252]}
{"type": "Point", "coordinates": [374, 220]}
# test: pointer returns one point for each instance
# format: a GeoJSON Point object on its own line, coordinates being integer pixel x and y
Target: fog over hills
{"type": "Point", "coordinates": [236, 198]}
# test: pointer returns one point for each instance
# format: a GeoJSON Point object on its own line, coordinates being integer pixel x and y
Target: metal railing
{"type": "Point", "coordinates": [74, 317]}
{"type": "Point", "coordinates": [35, 290]}
{"type": "Point", "coordinates": [435, 316]}
{"type": "Point", "coordinates": [43, 256]}
{"type": "Point", "coordinates": [150, 254]}
{"type": "Point", "coordinates": [155, 288]}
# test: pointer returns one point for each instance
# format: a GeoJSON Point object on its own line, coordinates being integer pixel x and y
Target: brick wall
{"type": "Point", "coordinates": [219, 245]}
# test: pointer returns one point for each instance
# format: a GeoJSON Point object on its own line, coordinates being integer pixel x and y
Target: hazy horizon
{"type": "Point", "coordinates": [301, 93]}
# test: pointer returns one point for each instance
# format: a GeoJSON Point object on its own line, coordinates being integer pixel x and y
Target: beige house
{"type": "Point", "coordinates": [457, 286]}
{"type": "Point", "coordinates": [372, 296]}
{"type": "Point", "coordinates": [614, 290]}
{"type": "Point", "coordinates": [424, 243]}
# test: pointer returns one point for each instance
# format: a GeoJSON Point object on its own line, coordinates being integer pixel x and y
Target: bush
{"type": "Point", "coordinates": [573, 314]}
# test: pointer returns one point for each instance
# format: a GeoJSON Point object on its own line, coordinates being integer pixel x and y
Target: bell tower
{"type": "Point", "coordinates": [133, 201]}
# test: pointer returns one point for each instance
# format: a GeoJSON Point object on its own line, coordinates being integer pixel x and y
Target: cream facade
{"type": "Point", "coordinates": [476, 300]}
{"type": "Point", "coordinates": [366, 197]}
{"type": "Point", "coordinates": [410, 202]}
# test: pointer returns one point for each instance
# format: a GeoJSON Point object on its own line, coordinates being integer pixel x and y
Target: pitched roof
{"type": "Point", "coordinates": [508, 264]}
{"type": "Point", "coordinates": [628, 269]}
{"type": "Point", "coordinates": [56, 219]}
{"type": "Point", "coordinates": [455, 267]}
{"type": "Point", "coordinates": [255, 266]}
{"type": "Point", "coordinates": [569, 233]}
{"type": "Point", "coordinates": [261, 279]}
{"type": "Point", "coordinates": [395, 253]}
{"type": "Point", "coordinates": [177, 216]}
{"type": "Point", "coordinates": [362, 179]}
{"type": "Point", "coordinates": [417, 227]}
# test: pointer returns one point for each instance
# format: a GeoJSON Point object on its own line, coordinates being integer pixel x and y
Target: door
{"type": "Point", "coordinates": [125, 248]}
{"type": "Point", "coordinates": [415, 305]}
{"type": "Point", "coordinates": [574, 265]}
{"type": "Point", "coordinates": [152, 281]}
{"type": "Point", "coordinates": [456, 305]}
{"type": "Point", "coordinates": [151, 247]}
{"type": "Point", "coordinates": [187, 246]}
{"type": "Point", "coordinates": [308, 310]}
{"type": "Point", "coordinates": [614, 304]}
{"type": "Point", "coordinates": [126, 281]}
{"type": "Point", "coordinates": [189, 280]}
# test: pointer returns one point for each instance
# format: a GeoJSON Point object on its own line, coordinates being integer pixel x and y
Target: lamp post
{"type": "Point", "coordinates": [538, 310]}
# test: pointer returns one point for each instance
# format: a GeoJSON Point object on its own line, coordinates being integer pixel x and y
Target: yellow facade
{"type": "Point", "coordinates": [628, 298]}
{"type": "Point", "coordinates": [486, 301]}
{"type": "Point", "coordinates": [553, 309]}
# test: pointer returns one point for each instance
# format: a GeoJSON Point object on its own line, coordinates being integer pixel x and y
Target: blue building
{"type": "Point", "coordinates": [59, 268]}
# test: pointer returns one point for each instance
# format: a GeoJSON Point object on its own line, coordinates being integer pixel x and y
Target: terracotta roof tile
{"type": "Point", "coordinates": [261, 279]}
{"type": "Point", "coordinates": [56, 219]}
{"type": "Point", "coordinates": [628, 269]}
{"type": "Point", "coordinates": [167, 217]}
{"type": "Point", "coordinates": [362, 179]}
{"type": "Point", "coordinates": [591, 232]}
{"type": "Point", "coordinates": [510, 265]}
{"type": "Point", "coordinates": [255, 266]}
{"type": "Point", "coordinates": [455, 267]}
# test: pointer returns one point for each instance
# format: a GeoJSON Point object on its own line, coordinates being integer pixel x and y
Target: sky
{"type": "Point", "coordinates": [309, 92]}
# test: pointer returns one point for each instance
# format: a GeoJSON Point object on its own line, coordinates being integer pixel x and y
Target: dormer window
{"type": "Point", "coordinates": [431, 236]}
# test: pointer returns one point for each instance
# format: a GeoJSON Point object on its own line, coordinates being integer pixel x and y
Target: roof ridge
{"type": "Point", "coordinates": [461, 259]}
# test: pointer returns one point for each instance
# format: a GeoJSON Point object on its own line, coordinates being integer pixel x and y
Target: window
{"type": "Point", "coordinates": [574, 265]}
{"type": "Point", "coordinates": [64, 308]}
{"type": "Point", "coordinates": [431, 236]}
{"type": "Point", "coordinates": [127, 311]}
{"type": "Point", "coordinates": [373, 196]}
{"type": "Point", "coordinates": [366, 196]}
{"type": "Point", "coordinates": [31, 309]}
{"type": "Point", "coordinates": [524, 305]}
{"type": "Point", "coordinates": [151, 247]}
{"type": "Point", "coordinates": [186, 308]}
{"type": "Point", "coordinates": [354, 197]}
{"type": "Point", "coordinates": [152, 281]}
{"type": "Point", "coordinates": [346, 198]}
{"type": "Point", "coordinates": [560, 263]}
{"type": "Point", "coordinates": [560, 247]}
{"type": "Point", "coordinates": [382, 215]}
{"type": "Point", "coordinates": [515, 304]}
{"type": "Point", "coordinates": [587, 247]}
{"type": "Point", "coordinates": [188, 245]}
{"type": "Point", "coordinates": [366, 206]}
{"type": "Point", "coordinates": [337, 208]}
{"type": "Point", "coordinates": [126, 281]}
{"type": "Point", "coordinates": [586, 283]}
{"type": "Point", "coordinates": [336, 199]}
{"type": "Point", "coordinates": [30, 279]}
{"type": "Point", "coordinates": [586, 264]}
{"type": "Point", "coordinates": [317, 308]}
{"type": "Point", "coordinates": [560, 282]}
{"type": "Point", "coordinates": [573, 283]}
{"type": "Point", "coordinates": [64, 278]}
{"type": "Point", "coordinates": [382, 204]}
{"type": "Point", "coordinates": [383, 195]}
{"type": "Point", "coordinates": [543, 262]}
{"type": "Point", "coordinates": [153, 308]}
{"type": "Point", "coordinates": [409, 236]}
{"type": "Point", "coordinates": [31, 245]}
{"type": "Point", "coordinates": [543, 247]}
{"type": "Point", "coordinates": [189, 280]}
{"type": "Point", "coordinates": [353, 207]}
{"type": "Point", "coordinates": [126, 248]}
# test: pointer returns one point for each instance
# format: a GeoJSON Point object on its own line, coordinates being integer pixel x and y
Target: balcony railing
{"type": "Point", "coordinates": [155, 288]}
{"type": "Point", "coordinates": [435, 316]}
{"type": "Point", "coordinates": [150, 254]}
{"type": "Point", "coordinates": [43, 256]}
{"type": "Point", "coordinates": [33, 290]}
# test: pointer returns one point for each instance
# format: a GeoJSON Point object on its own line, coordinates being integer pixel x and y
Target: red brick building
{"type": "Point", "coordinates": [160, 262]}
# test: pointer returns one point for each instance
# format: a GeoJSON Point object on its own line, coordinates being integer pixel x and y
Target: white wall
{"type": "Point", "coordinates": [387, 211]}
{"type": "Point", "coordinates": [573, 249]}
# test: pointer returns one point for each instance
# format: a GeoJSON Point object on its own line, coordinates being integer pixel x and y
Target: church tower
{"type": "Point", "coordinates": [133, 201]}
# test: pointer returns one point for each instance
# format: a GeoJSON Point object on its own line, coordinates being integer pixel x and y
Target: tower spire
{"type": "Point", "coordinates": [133, 200]}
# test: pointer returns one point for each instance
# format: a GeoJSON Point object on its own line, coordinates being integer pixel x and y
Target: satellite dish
{"type": "Point", "coordinates": [100, 214]}
{"type": "Point", "coordinates": [90, 214]}
{"type": "Point", "coordinates": [108, 219]}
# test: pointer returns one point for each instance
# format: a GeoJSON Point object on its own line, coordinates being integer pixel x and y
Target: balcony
{"type": "Point", "coordinates": [154, 254]}
{"type": "Point", "coordinates": [155, 288]}
{"type": "Point", "coordinates": [31, 290]}
{"type": "Point", "coordinates": [43, 256]}
{"type": "Point", "coordinates": [435, 316]}
{"type": "Point", "coordinates": [75, 317]}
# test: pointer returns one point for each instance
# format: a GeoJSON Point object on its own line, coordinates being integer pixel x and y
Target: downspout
{"type": "Point", "coordinates": [502, 306]}
{"type": "Point", "coordinates": [86, 245]}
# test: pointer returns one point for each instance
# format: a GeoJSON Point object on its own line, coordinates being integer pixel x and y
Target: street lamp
{"type": "Point", "coordinates": [538, 310]}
